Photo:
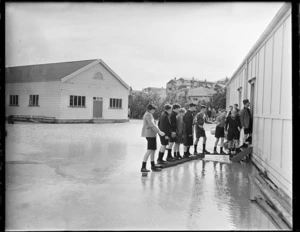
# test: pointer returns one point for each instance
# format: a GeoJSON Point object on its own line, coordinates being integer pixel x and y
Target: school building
{"type": "Point", "coordinates": [77, 91]}
{"type": "Point", "coordinates": [264, 77]}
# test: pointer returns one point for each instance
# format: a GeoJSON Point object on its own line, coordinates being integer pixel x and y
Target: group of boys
{"type": "Point", "coordinates": [179, 126]}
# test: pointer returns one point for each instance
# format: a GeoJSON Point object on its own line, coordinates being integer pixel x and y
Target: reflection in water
{"type": "Point", "coordinates": [95, 183]}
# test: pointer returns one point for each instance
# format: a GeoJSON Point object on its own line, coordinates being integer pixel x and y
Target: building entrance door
{"type": "Point", "coordinates": [97, 107]}
{"type": "Point", "coordinates": [252, 98]}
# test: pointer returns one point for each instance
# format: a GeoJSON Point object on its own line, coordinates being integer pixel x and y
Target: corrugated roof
{"type": "Point", "coordinates": [43, 72]}
{"type": "Point", "coordinates": [200, 91]}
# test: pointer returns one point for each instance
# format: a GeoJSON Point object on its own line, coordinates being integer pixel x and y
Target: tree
{"type": "Point", "coordinates": [218, 99]}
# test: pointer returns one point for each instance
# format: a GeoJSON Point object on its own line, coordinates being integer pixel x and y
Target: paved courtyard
{"type": "Point", "coordinates": [87, 176]}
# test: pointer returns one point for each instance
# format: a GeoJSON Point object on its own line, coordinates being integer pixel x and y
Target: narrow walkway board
{"type": "Point", "coordinates": [238, 157]}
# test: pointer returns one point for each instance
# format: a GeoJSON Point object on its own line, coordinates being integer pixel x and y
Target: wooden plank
{"type": "Point", "coordinates": [277, 190]}
{"type": "Point", "coordinates": [176, 162]}
{"type": "Point", "coordinates": [272, 192]}
{"type": "Point", "coordinates": [238, 157]}
{"type": "Point", "coordinates": [277, 220]}
{"type": "Point", "coordinates": [285, 215]}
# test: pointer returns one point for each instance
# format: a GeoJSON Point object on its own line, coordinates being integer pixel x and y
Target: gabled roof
{"type": "Point", "coordinates": [171, 81]}
{"type": "Point", "coordinates": [53, 71]}
{"type": "Point", "coordinates": [200, 91]}
{"type": "Point", "coordinates": [43, 72]}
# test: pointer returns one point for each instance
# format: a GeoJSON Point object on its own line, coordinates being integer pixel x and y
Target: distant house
{"type": "Point", "coordinates": [183, 82]}
{"type": "Point", "coordinates": [198, 94]}
{"type": "Point", "coordinates": [161, 92]}
{"type": "Point", "coordinates": [86, 91]}
{"type": "Point", "coordinates": [219, 87]}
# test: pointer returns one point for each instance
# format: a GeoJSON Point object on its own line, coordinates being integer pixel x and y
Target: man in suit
{"type": "Point", "coordinates": [165, 126]}
{"type": "Point", "coordinates": [246, 121]}
{"type": "Point", "coordinates": [188, 130]}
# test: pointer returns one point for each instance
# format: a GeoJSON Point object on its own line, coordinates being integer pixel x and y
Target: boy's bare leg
{"type": "Point", "coordinates": [216, 144]}
{"type": "Point", "coordinates": [195, 146]}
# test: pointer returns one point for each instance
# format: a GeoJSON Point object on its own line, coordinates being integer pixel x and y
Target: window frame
{"type": "Point", "coordinates": [76, 101]}
{"type": "Point", "coordinates": [33, 100]}
{"type": "Point", "coordinates": [13, 100]}
{"type": "Point", "coordinates": [115, 103]}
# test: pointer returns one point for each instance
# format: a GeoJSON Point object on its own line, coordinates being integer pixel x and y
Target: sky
{"type": "Point", "coordinates": [146, 44]}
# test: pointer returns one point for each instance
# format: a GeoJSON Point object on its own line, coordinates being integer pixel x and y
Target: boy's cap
{"type": "Point", "coordinates": [151, 107]}
{"type": "Point", "coordinates": [203, 107]}
{"type": "Point", "coordinates": [176, 106]}
{"type": "Point", "coordinates": [168, 106]}
{"type": "Point", "coordinates": [245, 101]}
{"type": "Point", "coordinates": [192, 104]}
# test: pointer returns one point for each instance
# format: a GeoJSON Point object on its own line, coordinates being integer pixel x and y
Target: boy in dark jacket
{"type": "Point", "coordinates": [172, 139]}
{"type": "Point", "coordinates": [188, 129]}
{"type": "Point", "coordinates": [165, 126]}
{"type": "Point", "coordinates": [232, 128]}
{"type": "Point", "coordinates": [246, 121]}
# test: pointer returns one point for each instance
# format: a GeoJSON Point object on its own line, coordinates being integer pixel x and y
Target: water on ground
{"type": "Point", "coordinates": [87, 177]}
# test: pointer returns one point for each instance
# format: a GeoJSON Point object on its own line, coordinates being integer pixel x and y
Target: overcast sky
{"type": "Point", "coordinates": [146, 44]}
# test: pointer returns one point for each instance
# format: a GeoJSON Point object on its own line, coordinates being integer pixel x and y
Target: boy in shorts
{"type": "Point", "coordinates": [199, 129]}
{"type": "Point", "coordinates": [179, 133]}
{"type": "Point", "coordinates": [232, 128]}
{"type": "Point", "coordinates": [165, 126]}
{"type": "Point", "coordinates": [149, 131]}
{"type": "Point", "coordinates": [220, 121]}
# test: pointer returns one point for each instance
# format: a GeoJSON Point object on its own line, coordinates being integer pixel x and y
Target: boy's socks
{"type": "Point", "coordinates": [221, 149]}
{"type": "Point", "coordinates": [169, 152]}
{"type": "Point", "coordinates": [152, 164]}
{"type": "Point", "coordinates": [144, 165]}
{"type": "Point", "coordinates": [195, 148]}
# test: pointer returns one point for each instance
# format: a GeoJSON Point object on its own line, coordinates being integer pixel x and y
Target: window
{"type": "Point", "coordinates": [14, 100]}
{"type": "Point", "coordinates": [77, 101]}
{"type": "Point", "coordinates": [115, 103]}
{"type": "Point", "coordinates": [33, 100]}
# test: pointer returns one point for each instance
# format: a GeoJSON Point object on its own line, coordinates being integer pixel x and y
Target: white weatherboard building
{"type": "Point", "coordinates": [264, 77]}
{"type": "Point", "coordinates": [85, 90]}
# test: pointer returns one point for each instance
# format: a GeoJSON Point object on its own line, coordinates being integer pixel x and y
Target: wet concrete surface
{"type": "Point", "coordinates": [87, 177]}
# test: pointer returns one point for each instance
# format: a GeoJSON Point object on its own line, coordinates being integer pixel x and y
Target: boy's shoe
{"type": "Point", "coordinates": [145, 170]}
{"type": "Point", "coordinates": [156, 169]}
{"type": "Point", "coordinates": [179, 156]}
{"type": "Point", "coordinates": [230, 155]}
{"type": "Point", "coordinates": [170, 158]}
{"type": "Point", "coordinates": [160, 162]}
{"type": "Point", "coordinates": [223, 153]}
{"type": "Point", "coordinates": [195, 153]}
{"type": "Point", "coordinates": [215, 152]}
{"type": "Point", "coordinates": [206, 152]}
{"type": "Point", "coordinates": [244, 145]}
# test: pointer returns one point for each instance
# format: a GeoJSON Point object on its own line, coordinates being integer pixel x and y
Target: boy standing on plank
{"type": "Point", "coordinates": [188, 130]}
{"type": "Point", "coordinates": [179, 133]}
{"type": "Point", "coordinates": [149, 131]}
{"type": "Point", "coordinates": [165, 126]}
{"type": "Point", "coordinates": [199, 129]}
{"type": "Point", "coordinates": [220, 121]}
{"type": "Point", "coordinates": [232, 128]}
{"type": "Point", "coordinates": [172, 139]}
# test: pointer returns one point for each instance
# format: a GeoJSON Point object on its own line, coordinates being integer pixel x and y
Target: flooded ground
{"type": "Point", "coordinates": [87, 176]}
